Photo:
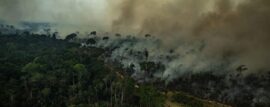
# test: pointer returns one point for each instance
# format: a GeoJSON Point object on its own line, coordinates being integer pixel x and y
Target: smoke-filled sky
{"type": "Point", "coordinates": [101, 14]}
{"type": "Point", "coordinates": [238, 29]}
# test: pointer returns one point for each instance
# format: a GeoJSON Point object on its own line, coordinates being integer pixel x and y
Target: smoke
{"type": "Point", "coordinates": [67, 15]}
{"type": "Point", "coordinates": [214, 36]}
{"type": "Point", "coordinates": [242, 31]}
{"type": "Point", "coordinates": [189, 36]}
{"type": "Point", "coordinates": [237, 29]}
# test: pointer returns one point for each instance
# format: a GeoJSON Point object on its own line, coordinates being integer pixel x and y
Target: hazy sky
{"type": "Point", "coordinates": [93, 13]}
{"type": "Point", "coordinates": [69, 12]}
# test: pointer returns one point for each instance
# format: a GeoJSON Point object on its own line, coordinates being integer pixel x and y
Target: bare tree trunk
{"type": "Point", "coordinates": [122, 97]}
{"type": "Point", "coordinates": [111, 95]}
{"type": "Point", "coordinates": [31, 94]}
{"type": "Point", "coordinates": [115, 97]}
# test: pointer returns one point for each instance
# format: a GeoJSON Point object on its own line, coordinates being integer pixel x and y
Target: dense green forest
{"type": "Point", "coordinates": [41, 71]}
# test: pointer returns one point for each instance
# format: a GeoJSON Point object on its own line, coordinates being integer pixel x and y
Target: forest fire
{"type": "Point", "coordinates": [212, 49]}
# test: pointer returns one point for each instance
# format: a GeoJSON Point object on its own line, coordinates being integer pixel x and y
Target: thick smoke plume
{"type": "Point", "coordinates": [222, 37]}
{"type": "Point", "coordinates": [237, 29]}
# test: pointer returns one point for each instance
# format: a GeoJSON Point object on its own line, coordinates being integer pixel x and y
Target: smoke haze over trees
{"type": "Point", "coordinates": [227, 27]}
{"type": "Point", "coordinates": [170, 41]}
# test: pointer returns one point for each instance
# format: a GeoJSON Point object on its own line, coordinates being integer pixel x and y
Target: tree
{"type": "Point", "coordinates": [71, 36]}
{"type": "Point", "coordinates": [55, 34]}
{"type": "Point", "coordinates": [105, 38]}
{"type": "Point", "coordinates": [79, 68]}
{"type": "Point", "coordinates": [93, 33]}
{"type": "Point", "coordinates": [34, 69]}
{"type": "Point", "coordinates": [147, 35]}
{"type": "Point", "coordinates": [118, 35]}
{"type": "Point", "coordinates": [150, 97]}
{"type": "Point", "coordinates": [91, 41]}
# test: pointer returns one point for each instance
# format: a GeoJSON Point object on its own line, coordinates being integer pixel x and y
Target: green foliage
{"type": "Point", "coordinates": [39, 71]}
{"type": "Point", "coordinates": [32, 67]}
{"type": "Point", "coordinates": [80, 68]}
{"type": "Point", "coordinates": [150, 97]}
{"type": "Point", "coordinates": [187, 100]}
{"type": "Point", "coordinates": [46, 91]}
{"type": "Point", "coordinates": [71, 36]}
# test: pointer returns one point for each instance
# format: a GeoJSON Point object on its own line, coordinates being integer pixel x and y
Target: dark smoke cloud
{"type": "Point", "coordinates": [243, 31]}
{"type": "Point", "coordinates": [238, 29]}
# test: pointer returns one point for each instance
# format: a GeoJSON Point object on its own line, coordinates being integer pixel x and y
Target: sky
{"type": "Point", "coordinates": [95, 14]}
{"type": "Point", "coordinates": [98, 14]}
{"type": "Point", "coordinates": [78, 13]}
